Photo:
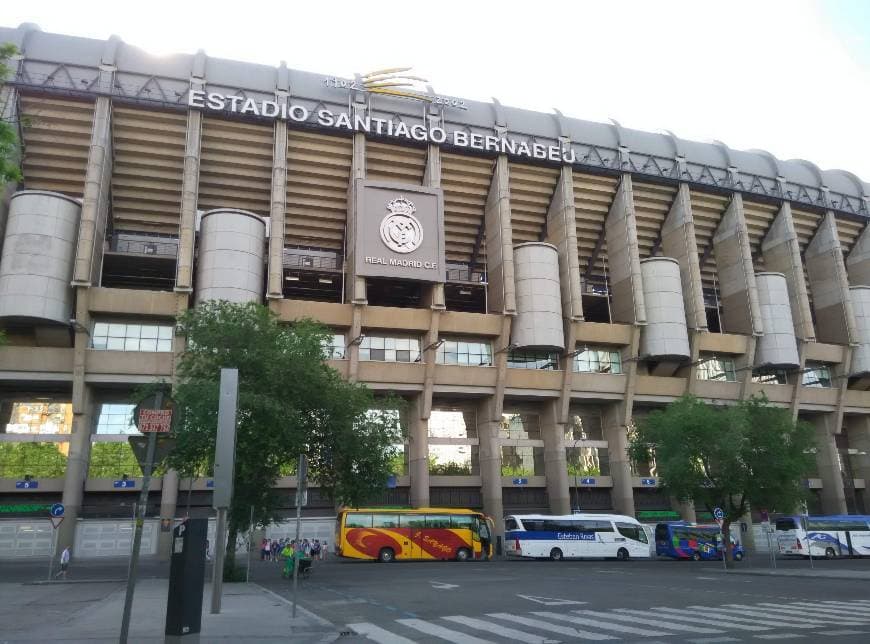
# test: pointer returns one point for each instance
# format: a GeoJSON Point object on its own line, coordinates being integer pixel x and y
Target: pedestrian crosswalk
{"type": "Point", "coordinates": [697, 624]}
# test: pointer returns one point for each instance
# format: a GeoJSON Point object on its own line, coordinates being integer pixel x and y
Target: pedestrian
{"type": "Point", "coordinates": [287, 554]}
{"type": "Point", "coordinates": [275, 550]}
{"type": "Point", "coordinates": [306, 548]}
{"type": "Point", "coordinates": [207, 550]}
{"type": "Point", "coordinates": [324, 547]}
{"type": "Point", "coordinates": [267, 547]}
{"type": "Point", "coordinates": [64, 563]}
{"type": "Point", "coordinates": [315, 550]}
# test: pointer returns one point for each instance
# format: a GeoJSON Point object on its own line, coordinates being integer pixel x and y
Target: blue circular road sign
{"type": "Point", "coordinates": [718, 514]}
{"type": "Point", "coordinates": [57, 510]}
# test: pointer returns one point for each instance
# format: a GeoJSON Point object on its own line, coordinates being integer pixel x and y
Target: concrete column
{"type": "Point", "coordinates": [798, 386]}
{"type": "Point", "coordinates": [833, 494]}
{"type": "Point", "coordinates": [489, 412]}
{"type": "Point", "coordinates": [168, 502]}
{"type": "Point", "coordinates": [432, 179]}
{"type": "Point", "coordinates": [499, 241]}
{"type": "Point", "coordinates": [685, 508]}
{"type": "Point", "coordinates": [859, 439]}
{"type": "Point", "coordinates": [190, 184]}
{"type": "Point", "coordinates": [352, 353]}
{"type": "Point", "coordinates": [623, 257]}
{"type": "Point", "coordinates": [355, 286]}
{"type": "Point", "coordinates": [616, 419]}
{"type": "Point", "coordinates": [277, 211]}
{"type": "Point", "coordinates": [858, 261]}
{"type": "Point", "coordinates": [418, 456]}
{"type": "Point", "coordinates": [744, 365]}
{"type": "Point", "coordinates": [562, 233]}
{"type": "Point", "coordinates": [679, 242]}
{"type": "Point", "coordinates": [781, 252]}
{"type": "Point", "coordinates": [829, 284]}
{"type": "Point", "coordinates": [95, 198]}
{"type": "Point", "coordinates": [740, 308]}
{"type": "Point", "coordinates": [555, 458]}
{"type": "Point", "coordinates": [83, 423]}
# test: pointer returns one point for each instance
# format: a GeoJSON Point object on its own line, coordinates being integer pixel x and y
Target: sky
{"type": "Point", "coordinates": [788, 76]}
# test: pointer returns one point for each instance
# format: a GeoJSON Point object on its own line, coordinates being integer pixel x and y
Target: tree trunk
{"type": "Point", "coordinates": [230, 556]}
{"type": "Point", "coordinates": [726, 537]}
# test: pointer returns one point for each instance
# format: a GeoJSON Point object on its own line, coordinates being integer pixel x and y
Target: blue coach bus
{"type": "Point", "coordinates": [684, 540]}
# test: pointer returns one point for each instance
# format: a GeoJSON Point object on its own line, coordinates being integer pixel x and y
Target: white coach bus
{"type": "Point", "coordinates": [542, 536]}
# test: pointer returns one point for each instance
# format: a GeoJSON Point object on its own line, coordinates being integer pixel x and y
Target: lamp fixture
{"type": "Point", "coordinates": [357, 340]}
{"type": "Point", "coordinates": [434, 345]}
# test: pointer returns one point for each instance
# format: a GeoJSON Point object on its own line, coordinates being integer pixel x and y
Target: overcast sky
{"type": "Point", "coordinates": [791, 76]}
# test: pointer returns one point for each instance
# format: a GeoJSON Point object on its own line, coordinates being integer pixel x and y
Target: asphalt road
{"type": "Point", "coordinates": [542, 601]}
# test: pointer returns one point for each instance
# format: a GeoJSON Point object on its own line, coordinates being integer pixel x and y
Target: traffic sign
{"type": "Point", "coordinates": [154, 420]}
{"type": "Point", "coordinates": [521, 481]}
{"type": "Point", "coordinates": [648, 482]}
{"type": "Point", "coordinates": [56, 510]}
{"type": "Point", "coordinates": [124, 483]}
{"type": "Point", "coordinates": [209, 483]}
{"type": "Point", "coordinates": [718, 514]}
{"type": "Point", "coordinates": [55, 522]}
{"type": "Point", "coordinates": [26, 485]}
{"type": "Point", "coordinates": [587, 480]}
{"type": "Point", "coordinates": [392, 481]}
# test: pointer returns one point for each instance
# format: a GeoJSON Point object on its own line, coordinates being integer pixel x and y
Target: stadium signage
{"type": "Point", "coordinates": [214, 101]}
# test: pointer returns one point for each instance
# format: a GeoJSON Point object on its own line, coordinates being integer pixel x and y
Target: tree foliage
{"type": "Point", "coordinates": [749, 454]}
{"type": "Point", "coordinates": [9, 170]}
{"type": "Point", "coordinates": [290, 402]}
{"type": "Point", "coordinates": [40, 460]}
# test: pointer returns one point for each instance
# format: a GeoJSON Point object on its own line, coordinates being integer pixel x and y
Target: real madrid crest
{"type": "Point", "coordinates": [401, 230]}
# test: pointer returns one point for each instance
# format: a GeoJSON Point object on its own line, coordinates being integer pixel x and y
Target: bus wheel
{"type": "Point", "coordinates": [738, 556]}
{"type": "Point", "coordinates": [555, 554]}
{"type": "Point", "coordinates": [463, 554]}
{"type": "Point", "coordinates": [830, 554]}
{"type": "Point", "coordinates": [622, 554]}
{"type": "Point", "coordinates": [696, 556]}
{"type": "Point", "coordinates": [386, 555]}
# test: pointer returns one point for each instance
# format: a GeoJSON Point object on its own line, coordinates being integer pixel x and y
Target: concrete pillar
{"type": "Point", "coordinates": [355, 285]}
{"type": "Point", "coordinates": [190, 184]}
{"type": "Point", "coordinates": [432, 179]}
{"type": "Point", "coordinates": [616, 419]}
{"type": "Point", "coordinates": [859, 439]}
{"type": "Point", "coordinates": [555, 458]}
{"type": "Point", "coordinates": [685, 508]}
{"type": "Point", "coordinates": [168, 503]}
{"type": "Point", "coordinates": [740, 308]}
{"type": "Point", "coordinates": [829, 284]}
{"type": "Point", "coordinates": [77, 463]}
{"type": "Point", "coordinates": [833, 494]}
{"type": "Point", "coordinates": [418, 456]}
{"type": "Point", "coordinates": [95, 198]}
{"type": "Point", "coordinates": [9, 114]}
{"type": "Point", "coordinates": [782, 254]}
{"type": "Point", "coordinates": [858, 261]}
{"type": "Point", "coordinates": [679, 242]}
{"type": "Point", "coordinates": [562, 233]}
{"type": "Point", "coordinates": [277, 211]}
{"type": "Point", "coordinates": [489, 413]}
{"type": "Point", "coordinates": [623, 257]}
{"type": "Point", "coordinates": [499, 241]}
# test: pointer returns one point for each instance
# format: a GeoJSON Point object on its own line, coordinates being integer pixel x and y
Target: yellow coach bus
{"type": "Point", "coordinates": [387, 534]}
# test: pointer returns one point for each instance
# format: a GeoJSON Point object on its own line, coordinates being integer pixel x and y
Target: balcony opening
{"type": "Point", "coordinates": [398, 293]}
{"type": "Point", "coordinates": [713, 309]}
{"type": "Point", "coordinates": [596, 299]}
{"type": "Point", "coordinates": [465, 289]}
{"type": "Point", "coordinates": [140, 260]}
{"type": "Point", "coordinates": [312, 274]}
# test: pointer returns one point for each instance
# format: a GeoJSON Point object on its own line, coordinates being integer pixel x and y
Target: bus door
{"type": "Point", "coordinates": [413, 526]}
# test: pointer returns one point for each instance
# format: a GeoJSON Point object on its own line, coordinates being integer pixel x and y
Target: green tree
{"type": "Point", "coordinates": [290, 402]}
{"type": "Point", "coordinates": [9, 170]}
{"type": "Point", "coordinates": [40, 460]}
{"type": "Point", "coordinates": [749, 454]}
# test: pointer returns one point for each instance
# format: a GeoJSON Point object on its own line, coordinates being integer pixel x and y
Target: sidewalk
{"type": "Point", "coordinates": [818, 572]}
{"type": "Point", "coordinates": [92, 613]}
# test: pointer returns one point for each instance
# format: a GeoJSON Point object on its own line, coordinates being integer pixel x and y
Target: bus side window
{"type": "Point", "coordinates": [385, 521]}
{"type": "Point", "coordinates": [414, 521]}
{"type": "Point", "coordinates": [462, 522]}
{"type": "Point", "coordinates": [357, 520]}
{"type": "Point", "coordinates": [785, 524]}
{"type": "Point", "coordinates": [511, 524]}
{"type": "Point", "coordinates": [437, 520]}
{"type": "Point", "coordinates": [631, 531]}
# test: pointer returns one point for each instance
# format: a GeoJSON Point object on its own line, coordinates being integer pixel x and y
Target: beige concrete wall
{"type": "Point", "coordinates": [602, 333]}
{"type": "Point", "coordinates": [120, 301]}
{"type": "Point", "coordinates": [37, 360]}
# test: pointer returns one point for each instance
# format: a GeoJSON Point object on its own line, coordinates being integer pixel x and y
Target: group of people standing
{"type": "Point", "coordinates": [290, 551]}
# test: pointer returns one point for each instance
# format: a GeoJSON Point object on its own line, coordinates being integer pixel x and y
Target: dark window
{"type": "Point", "coordinates": [462, 521]}
{"type": "Point", "coordinates": [534, 525]}
{"type": "Point", "coordinates": [511, 524]}
{"type": "Point", "coordinates": [437, 520]}
{"type": "Point", "coordinates": [385, 521]}
{"type": "Point", "coordinates": [358, 520]}
{"type": "Point", "coordinates": [631, 531]}
{"type": "Point", "coordinates": [661, 532]}
{"type": "Point", "coordinates": [412, 521]}
{"type": "Point", "coordinates": [786, 524]}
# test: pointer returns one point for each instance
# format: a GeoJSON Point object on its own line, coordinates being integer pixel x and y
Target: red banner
{"type": "Point", "coordinates": [154, 420]}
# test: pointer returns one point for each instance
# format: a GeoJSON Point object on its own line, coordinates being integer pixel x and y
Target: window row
{"type": "Point", "coordinates": [397, 520]}
{"type": "Point", "coordinates": [112, 336]}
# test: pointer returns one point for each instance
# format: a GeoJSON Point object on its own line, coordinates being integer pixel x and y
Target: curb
{"type": "Point", "coordinates": [858, 576]}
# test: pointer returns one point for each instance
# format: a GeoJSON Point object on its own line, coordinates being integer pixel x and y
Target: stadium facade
{"type": "Point", "coordinates": [532, 284]}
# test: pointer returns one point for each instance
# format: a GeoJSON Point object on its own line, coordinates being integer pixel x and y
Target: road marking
{"type": "Point", "coordinates": [378, 634]}
{"type": "Point", "coordinates": [607, 626]}
{"type": "Point", "coordinates": [716, 613]}
{"type": "Point", "coordinates": [497, 629]}
{"type": "Point", "coordinates": [551, 601]}
{"type": "Point", "coordinates": [653, 622]}
{"type": "Point", "coordinates": [837, 608]}
{"type": "Point", "coordinates": [827, 614]}
{"type": "Point", "coordinates": [713, 640]}
{"type": "Point", "coordinates": [791, 618]}
{"type": "Point", "coordinates": [440, 585]}
{"type": "Point", "coordinates": [673, 613]}
{"type": "Point", "coordinates": [444, 633]}
{"type": "Point", "coordinates": [779, 636]}
{"type": "Point", "coordinates": [553, 628]}
{"type": "Point", "coordinates": [843, 632]}
{"type": "Point", "coordinates": [707, 578]}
